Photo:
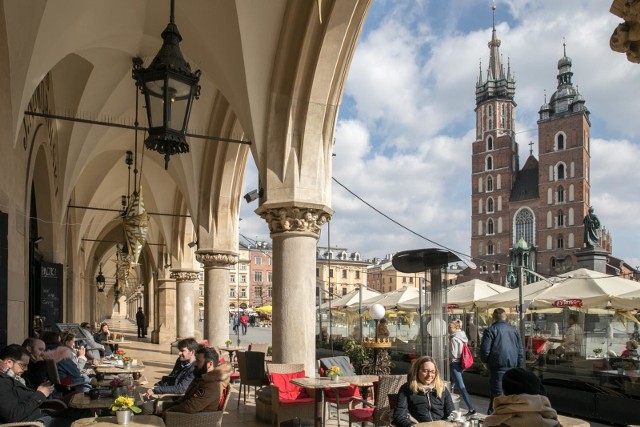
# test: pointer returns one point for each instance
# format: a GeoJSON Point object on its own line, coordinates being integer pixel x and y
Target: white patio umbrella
{"type": "Point", "coordinates": [396, 299]}
{"type": "Point", "coordinates": [626, 301]}
{"type": "Point", "coordinates": [584, 288]}
{"type": "Point", "coordinates": [509, 299]}
{"type": "Point", "coordinates": [351, 299]}
{"type": "Point", "coordinates": [463, 295]}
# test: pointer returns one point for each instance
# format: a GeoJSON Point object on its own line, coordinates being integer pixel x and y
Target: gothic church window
{"type": "Point", "coordinates": [523, 222]}
{"type": "Point", "coordinates": [489, 183]}
{"type": "Point", "coordinates": [490, 143]}
{"type": "Point", "coordinates": [490, 205]}
{"type": "Point", "coordinates": [560, 242]}
{"type": "Point", "coordinates": [560, 218]}
{"type": "Point", "coordinates": [560, 142]}
{"type": "Point", "coordinates": [490, 227]}
{"type": "Point", "coordinates": [489, 163]}
{"type": "Point", "coordinates": [560, 194]}
{"type": "Point", "coordinates": [560, 171]}
{"type": "Point", "coordinates": [490, 248]}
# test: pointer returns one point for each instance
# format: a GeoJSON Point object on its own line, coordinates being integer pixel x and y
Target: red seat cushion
{"type": "Point", "coordinates": [286, 390]}
{"type": "Point", "coordinates": [223, 397]}
{"type": "Point", "coordinates": [343, 392]}
{"type": "Point", "coordinates": [299, 401]}
{"type": "Point", "coordinates": [361, 414]}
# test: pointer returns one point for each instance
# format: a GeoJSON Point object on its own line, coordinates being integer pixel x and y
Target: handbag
{"type": "Point", "coordinates": [466, 358]}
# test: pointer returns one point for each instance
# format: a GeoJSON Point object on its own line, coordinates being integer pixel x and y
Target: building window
{"type": "Point", "coordinates": [560, 219]}
{"type": "Point", "coordinates": [560, 242]}
{"type": "Point", "coordinates": [243, 293]}
{"type": "Point", "coordinates": [404, 280]}
{"type": "Point", "coordinates": [483, 269]}
{"type": "Point", "coordinates": [258, 291]}
{"type": "Point", "coordinates": [269, 260]}
{"type": "Point", "coordinates": [232, 278]}
{"type": "Point", "coordinates": [257, 260]}
{"type": "Point", "coordinates": [317, 272]}
{"type": "Point", "coordinates": [489, 183]}
{"type": "Point", "coordinates": [243, 267]}
{"type": "Point", "coordinates": [331, 272]}
{"type": "Point", "coordinates": [489, 163]}
{"type": "Point", "coordinates": [344, 274]}
{"type": "Point", "coordinates": [270, 276]}
{"type": "Point", "coordinates": [269, 292]}
{"type": "Point", "coordinates": [243, 278]}
{"type": "Point", "coordinates": [490, 143]}
{"type": "Point", "coordinates": [490, 226]}
{"type": "Point", "coordinates": [524, 221]}
{"type": "Point", "coordinates": [560, 142]}
{"type": "Point", "coordinates": [232, 293]}
{"type": "Point", "coordinates": [357, 274]}
{"type": "Point", "coordinates": [560, 194]}
{"type": "Point", "coordinates": [561, 171]}
{"type": "Point", "coordinates": [410, 279]}
{"type": "Point", "coordinates": [496, 267]}
{"type": "Point", "coordinates": [257, 276]}
{"type": "Point", "coordinates": [490, 248]}
{"type": "Point", "coordinates": [490, 205]}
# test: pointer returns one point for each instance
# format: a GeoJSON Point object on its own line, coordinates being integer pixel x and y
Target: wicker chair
{"type": "Point", "coordinates": [371, 413]}
{"type": "Point", "coordinates": [341, 397]}
{"type": "Point", "coordinates": [282, 412]}
{"type": "Point", "coordinates": [264, 348]}
{"type": "Point", "coordinates": [24, 423]}
{"type": "Point", "coordinates": [251, 367]}
{"type": "Point", "coordinates": [201, 419]}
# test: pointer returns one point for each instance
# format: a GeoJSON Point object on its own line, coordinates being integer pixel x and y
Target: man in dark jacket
{"type": "Point", "coordinates": [501, 349]}
{"type": "Point", "coordinates": [206, 392]}
{"type": "Point", "coordinates": [37, 372]}
{"type": "Point", "coordinates": [20, 403]}
{"type": "Point", "coordinates": [180, 377]}
{"type": "Point", "coordinates": [140, 321]}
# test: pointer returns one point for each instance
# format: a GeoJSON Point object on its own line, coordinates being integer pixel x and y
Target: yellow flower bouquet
{"type": "Point", "coordinates": [228, 342]}
{"type": "Point", "coordinates": [123, 402]}
{"type": "Point", "coordinates": [334, 371]}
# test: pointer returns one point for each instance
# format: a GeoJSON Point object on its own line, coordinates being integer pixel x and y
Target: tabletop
{"type": "Point", "coordinates": [112, 368]}
{"type": "Point", "coordinates": [118, 341]}
{"type": "Point", "coordinates": [231, 348]}
{"type": "Point", "coordinates": [322, 382]}
{"type": "Point", "coordinates": [136, 421]}
{"type": "Point", "coordinates": [360, 380]}
{"type": "Point", "coordinates": [82, 401]}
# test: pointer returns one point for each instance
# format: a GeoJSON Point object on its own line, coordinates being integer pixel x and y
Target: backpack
{"type": "Point", "coordinates": [466, 358]}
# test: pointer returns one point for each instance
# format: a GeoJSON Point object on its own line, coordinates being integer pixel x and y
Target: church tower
{"type": "Point", "coordinates": [564, 161]}
{"type": "Point", "coordinates": [495, 165]}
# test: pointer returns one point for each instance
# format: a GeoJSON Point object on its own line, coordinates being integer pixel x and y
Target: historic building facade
{"type": "Point", "coordinates": [541, 205]}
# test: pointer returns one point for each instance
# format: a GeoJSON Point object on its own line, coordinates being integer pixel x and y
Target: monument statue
{"type": "Point", "coordinates": [591, 227]}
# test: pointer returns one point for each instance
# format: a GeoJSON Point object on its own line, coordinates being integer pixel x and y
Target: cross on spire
{"type": "Point", "coordinates": [531, 148]}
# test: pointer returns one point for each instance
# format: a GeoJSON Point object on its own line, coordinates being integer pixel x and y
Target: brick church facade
{"type": "Point", "coordinates": [541, 205]}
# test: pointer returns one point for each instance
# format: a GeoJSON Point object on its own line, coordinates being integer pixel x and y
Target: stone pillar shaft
{"type": "Point", "coordinates": [166, 331]}
{"type": "Point", "coordinates": [216, 293]}
{"type": "Point", "coordinates": [184, 302]}
{"type": "Point", "coordinates": [294, 230]}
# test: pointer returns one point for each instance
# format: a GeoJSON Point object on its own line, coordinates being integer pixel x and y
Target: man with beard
{"type": "Point", "coordinates": [206, 392]}
{"type": "Point", "coordinates": [178, 380]}
{"type": "Point", "coordinates": [36, 374]}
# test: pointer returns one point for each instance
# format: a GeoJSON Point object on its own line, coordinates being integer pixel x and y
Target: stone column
{"type": "Point", "coordinates": [294, 230]}
{"type": "Point", "coordinates": [184, 301]}
{"type": "Point", "coordinates": [216, 293]}
{"type": "Point", "coordinates": [150, 309]}
{"type": "Point", "coordinates": [166, 331]}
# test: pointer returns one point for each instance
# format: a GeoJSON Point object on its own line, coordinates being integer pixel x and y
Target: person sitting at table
{"type": "Point", "coordinates": [382, 331]}
{"type": "Point", "coordinates": [36, 374]}
{"type": "Point", "coordinates": [51, 340]}
{"type": "Point", "coordinates": [180, 377]}
{"type": "Point", "coordinates": [67, 365]}
{"type": "Point", "coordinates": [206, 392]}
{"type": "Point", "coordinates": [631, 349]}
{"type": "Point", "coordinates": [94, 350]}
{"type": "Point", "coordinates": [423, 397]}
{"type": "Point", "coordinates": [523, 403]}
{"type": "Point", "coordinates": [105, 335]}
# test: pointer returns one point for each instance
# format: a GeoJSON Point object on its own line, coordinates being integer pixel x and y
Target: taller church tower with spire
{"type": "Point", "coordinates": [540, 206]}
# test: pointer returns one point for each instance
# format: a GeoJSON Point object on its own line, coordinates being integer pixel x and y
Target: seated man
{"type": "Point", "coordinates": [20, 403]}
{"type": "Point", "coordinates": [206, 392]}
{"type": "Point", "coordinates": [523, 402]}
{"type": "Point", "coordinates": [180, 377]}
{"type": "Point", "coordinates": [94, 350]}
{"type": "Point", "coordinates": [36, 374]}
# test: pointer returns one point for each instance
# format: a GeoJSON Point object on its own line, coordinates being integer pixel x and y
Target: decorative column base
{"type": "Point", "coordinates": [592, 258]}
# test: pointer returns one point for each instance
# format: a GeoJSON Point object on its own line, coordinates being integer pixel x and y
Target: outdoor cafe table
{"type": "Point", "coordinates": [231, 349]}
{"type": "Point", "coordinates": [111, 368]}
{"type": "Point", "coordinates": [318, 385]}
{"type": "Point", "coordinates": [83, 401]}
{"type": "Point", "coordinates": [114, 342]}
{"type": "Point", "coordinates": [363, 382]}
{"type": "Point", "coordinates": [564, 422]}
{"type": "Point", "coordinates": [136, 421]}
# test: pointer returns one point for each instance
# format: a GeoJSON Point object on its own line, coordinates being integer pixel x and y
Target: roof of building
{"type": "Point", "coordinates": [526, 186]}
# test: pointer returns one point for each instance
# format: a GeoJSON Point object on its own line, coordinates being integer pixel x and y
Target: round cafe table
{"type": "Point", "coordinates": [136, 421]}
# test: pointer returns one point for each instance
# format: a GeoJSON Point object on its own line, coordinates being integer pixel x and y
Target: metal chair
{"type": "Point", "coordinates": [23, 423]}
{"type": "Point", "coordinates": [252, 373]}
{"type": "Point", "coordinates": [372, 413]}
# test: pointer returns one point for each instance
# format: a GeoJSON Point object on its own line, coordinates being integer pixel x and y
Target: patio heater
{"type": "Point", "coordinates": [432, 260]}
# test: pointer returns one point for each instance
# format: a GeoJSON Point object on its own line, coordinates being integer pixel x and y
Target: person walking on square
{"type": "Point", "coordinates": [141, 322]}
{"type": "Point", "coordinates": [244, 321]}
{"type": "Point", "coordinates": [457, 340]}
{"type": "Point", "coordinates": [501, 349]}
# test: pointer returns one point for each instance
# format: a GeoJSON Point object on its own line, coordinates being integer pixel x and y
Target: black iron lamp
{"type": "Point", "coordinates": [100, 281]}
{"type": "Point", "coordinates": [169, 88]}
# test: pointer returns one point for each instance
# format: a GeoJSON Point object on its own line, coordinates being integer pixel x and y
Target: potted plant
{"type": "Point", "coordinates": [117, 387]}
{"type": "Point", "coordinates": [124, 406]}
{"type": "Point", "coordinates": [597, 351]}
{"type": "Point", "coordinates": [127, 362]}
{"type": "Point", "coordinates": [334, 372]}
{"type": "Point", "coordinates": [119, 353]}
{"type": "Point", "coordinates": [228, 342]}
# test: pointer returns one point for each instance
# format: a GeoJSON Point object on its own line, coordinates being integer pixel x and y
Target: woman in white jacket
{"type": "Point", "coordinates": [457, 339]}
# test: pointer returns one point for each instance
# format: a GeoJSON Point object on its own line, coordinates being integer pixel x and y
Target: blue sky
{"type": "Point", "coordinates": [405, 129]}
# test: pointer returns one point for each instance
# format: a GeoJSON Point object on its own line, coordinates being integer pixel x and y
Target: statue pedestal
{"type": "Point", "coordinates": [592, 258]}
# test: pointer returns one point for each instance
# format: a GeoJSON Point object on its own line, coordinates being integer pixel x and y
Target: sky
{"type": "Point", "coordinates": [406, 123]}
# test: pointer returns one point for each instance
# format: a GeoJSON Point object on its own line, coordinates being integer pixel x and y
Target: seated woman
{"type": "Point", "coordinates": [104, 334]}
{"type": "Point", "coordinates": [423, 397]}
{"type": "Point", "coordinates": [67, 365]}
{"type": "Point", "coordinates": [523, 403]}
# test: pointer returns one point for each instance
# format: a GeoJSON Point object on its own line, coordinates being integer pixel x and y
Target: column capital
{"type": "Point", "coordinates": [184, 275]}
{"type": "Point", "coordinates": [626, 36]}
{"type": "Point", "coordinates": [216, 258]}
{"type": "Point", "coordinates": [301, 218]}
